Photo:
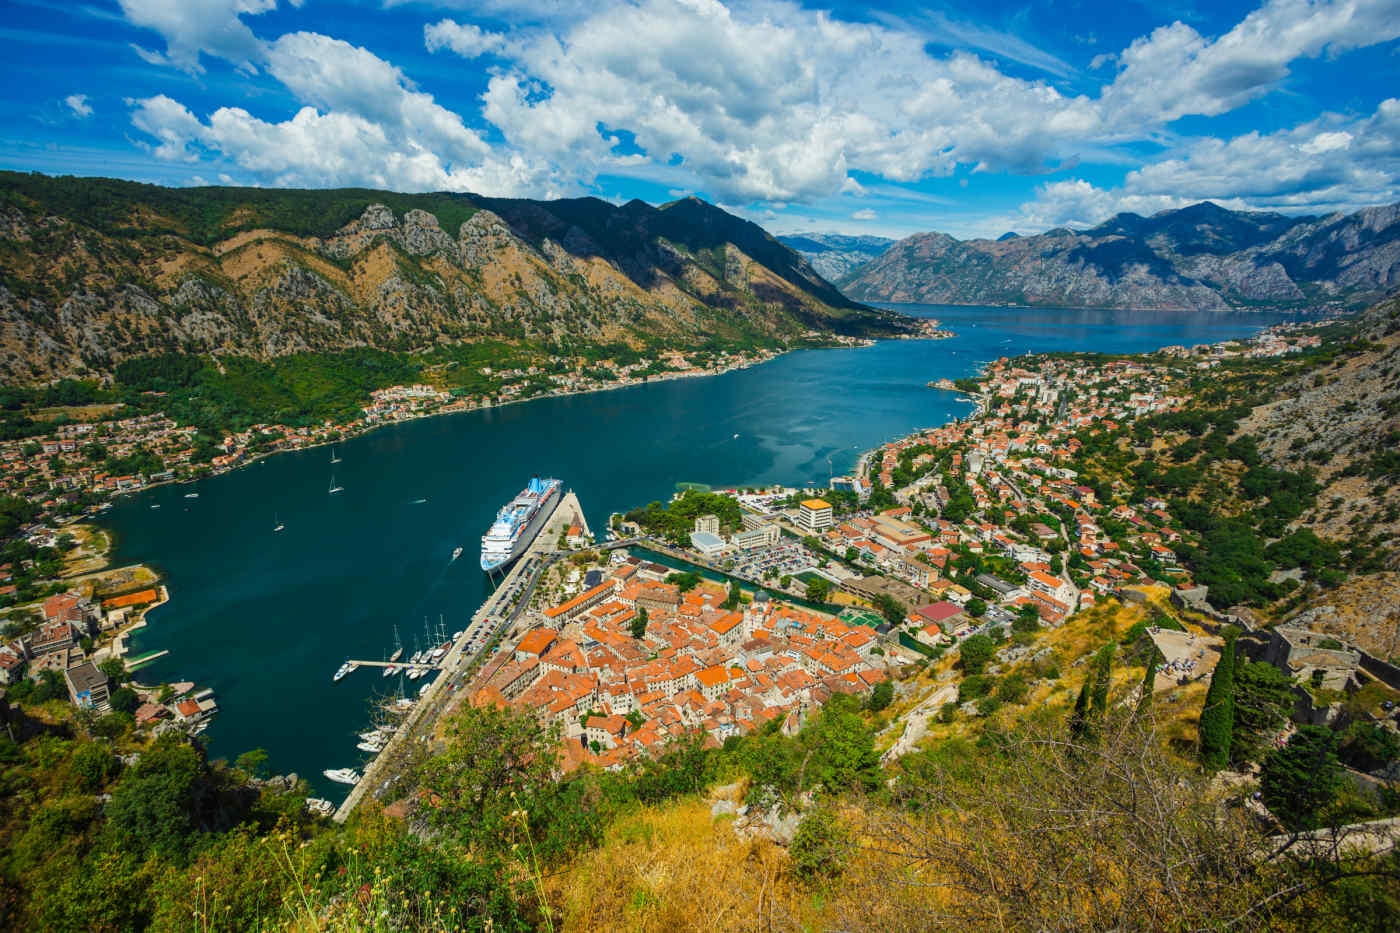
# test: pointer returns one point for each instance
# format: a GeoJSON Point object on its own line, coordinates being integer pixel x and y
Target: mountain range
{"type": "Point", "coordinates": [1201, 257]}
{"type": "Point", "coordinates": [95, 271]}
{"type": "Point", "coordinates": [836, 255]}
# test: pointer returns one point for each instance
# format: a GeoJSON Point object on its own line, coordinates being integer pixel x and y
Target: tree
{"type": "Point", "coordinates": [1027, 620]}
{"type": "Point", "coordinates": [976, 607]}
{"type": "Point", "coordinates": [1301, 780]}
{"type": "Point", "coordinates": [124, 700]}
{"type": "Point", "coordinates": [1217, 722]}
{"type": "Point", "coordinates": [1263, 701]}
{"type": "Point", "coordinates": [731, 600]}
{"type": "Point", "coordinates": [639, 623]}
{"type": "Point", "coordinates": [685, 582]}
{"type": "Point", "coordinates": [1103, 666]}
{"type": "Point", "coordinates": [819, 846]}
{"type": "Point", "coordinates": [92, 765]}
{"type": "Point", "coordinates": [1079, 719]}
{"type": "Point", "coordinates": [155, 807]}
{"type": "Point", "coordinates": [890, 608]}
{"type": "Point", "coordinates": [1149, 678]}
{"type": "Point", "coordinates": [818, 589]}
{"type": "Point", "coordinates": [496, 761]}
{"type": "Point", "coordinates": [252, 761]}
{"type": "Point", "coordinates": [1368, 746]}
{"type": "Point", "coordinates": [114, 668]}
{"type": "Point", "coordinates": [880, 696]}
{"type": "Point", "coordinates": [974, 653]}
{"type": "Point", "coordinates": [842, 749]}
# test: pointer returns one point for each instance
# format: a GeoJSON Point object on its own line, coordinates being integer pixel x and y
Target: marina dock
{"type": "Point", "coordinates": [496, 614]}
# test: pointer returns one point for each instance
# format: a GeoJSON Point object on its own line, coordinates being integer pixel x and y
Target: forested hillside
{"type": "Point", "coordinates": [97, 271]}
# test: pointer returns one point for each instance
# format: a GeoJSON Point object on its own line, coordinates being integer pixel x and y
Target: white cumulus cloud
{"type": "Point", "coordinates": [769, 102]}
{"type": "Point", "coordinates": [194, 27]}
{"type": "Point", "coordinates": [466, 40]}
{"type": "Point", "coordinates": [1176, 71]}
{"type": "Point", "coordinates": [1332, 163]}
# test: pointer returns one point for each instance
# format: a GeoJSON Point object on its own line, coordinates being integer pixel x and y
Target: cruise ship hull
{"type": "Point", "coordinates": [499, 551]}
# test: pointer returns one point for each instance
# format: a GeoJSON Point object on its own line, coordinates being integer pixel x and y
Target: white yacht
{"type": "Point", "coordinates": [342, 775]}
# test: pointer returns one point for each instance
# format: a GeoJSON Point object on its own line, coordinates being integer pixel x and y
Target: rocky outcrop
{"type": "Point", "coordinates": [1198, 258]}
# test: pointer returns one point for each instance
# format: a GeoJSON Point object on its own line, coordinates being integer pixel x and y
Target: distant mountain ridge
{"type": "Point", "coordinates": [1201, 257]}
{"type": "Point", "coordinates": [95, 271]}
{"type": "Point", "coordinates": [835, 255]}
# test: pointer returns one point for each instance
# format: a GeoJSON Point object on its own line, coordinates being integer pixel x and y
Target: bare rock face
{"type": "Point", "coordinates": [377, 217]}
{"type": "Point", "coordinates": [1198, 258]}
{"type": "Point", "coordinates": [421, 235]}
{"type": "Point", "coordinates": [482, 237]}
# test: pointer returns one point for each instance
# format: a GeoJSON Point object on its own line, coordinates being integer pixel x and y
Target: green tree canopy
{"type": "Point", "coordinates": [1300, 781]}
{"type": "Point", "coordinates": [974, 653]}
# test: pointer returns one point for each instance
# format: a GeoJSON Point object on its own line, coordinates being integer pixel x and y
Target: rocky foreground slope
{"type": "Point", "coordinates": [1202, 257]}
{"type": "Point", "coordinates": [94, 271]}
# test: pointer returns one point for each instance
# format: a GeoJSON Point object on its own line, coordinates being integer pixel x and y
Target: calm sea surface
{"type": "Point", "coordinates": [266, 618]}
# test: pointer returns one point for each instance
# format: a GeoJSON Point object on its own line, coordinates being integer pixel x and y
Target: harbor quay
{"type": "Point", "coordinates": [501, 609]}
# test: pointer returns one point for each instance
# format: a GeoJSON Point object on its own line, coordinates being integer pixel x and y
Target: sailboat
{"type": "Point", "coordinates": [334, 458]}
{"type": "Point", "coordinates": [334, 488]}
{"type": "Point", "coordinates": [397, 653]}
{"type": "Point", "coordinates": [277, 523]}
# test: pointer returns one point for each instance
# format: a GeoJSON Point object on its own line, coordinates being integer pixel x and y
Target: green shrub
{"type": "Point", "coordinates": [977, 685]}
{"type": "Point", "coordinates": [819, 847]}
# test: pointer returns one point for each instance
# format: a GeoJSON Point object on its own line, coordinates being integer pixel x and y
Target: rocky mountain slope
{"type": "Point", "coordinates": [834, 255]}
{"type": "Point", "coordinates": [1201, 257]}
{"type": "Point", "coordinates": [1342, 422]}
{"type": "Point", "coordinates": [94, 271]}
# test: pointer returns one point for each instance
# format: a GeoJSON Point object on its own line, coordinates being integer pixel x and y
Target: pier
{"type": "Point", "coordinates": [495, 616]}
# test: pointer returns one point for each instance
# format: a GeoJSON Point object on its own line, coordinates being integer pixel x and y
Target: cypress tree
{"type": "Point", "coordinates": [1149, 680]}
{"type": "Point", "coordinates": [1103, 663]}
{"type": "Point", "coordinates": [1218, 715]}
{"type": "Point", "coordinates": [1078, 720]}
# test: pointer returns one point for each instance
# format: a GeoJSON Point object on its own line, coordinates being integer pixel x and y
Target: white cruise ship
{"type": "Point", "coordinates": [517, 524]}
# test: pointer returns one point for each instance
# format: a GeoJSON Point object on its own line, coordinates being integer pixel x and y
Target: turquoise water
{"type": "Point", "coordinates": [266, 618]}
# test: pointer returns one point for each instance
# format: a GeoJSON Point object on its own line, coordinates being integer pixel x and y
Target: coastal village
{"type": "Point", "coordinates": [961, 530]}
{"type": "Point", "coordinates": [985, 526]}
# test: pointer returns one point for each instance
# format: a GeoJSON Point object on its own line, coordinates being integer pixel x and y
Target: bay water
{"type": "Point", "coordinates": [265, 618]}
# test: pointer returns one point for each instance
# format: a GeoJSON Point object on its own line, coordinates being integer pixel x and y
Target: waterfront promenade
{"type": "Point", "coordinates": [500, 609]}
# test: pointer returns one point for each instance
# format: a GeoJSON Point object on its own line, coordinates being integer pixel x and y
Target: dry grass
{"type": "Point", "coordinates": [75, 412]}
{"type": "Point", "coordinates": [676, 869]}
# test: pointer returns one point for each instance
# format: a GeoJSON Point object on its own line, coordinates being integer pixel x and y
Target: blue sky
{"type": "Point", "coordinates": [967, 118]}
